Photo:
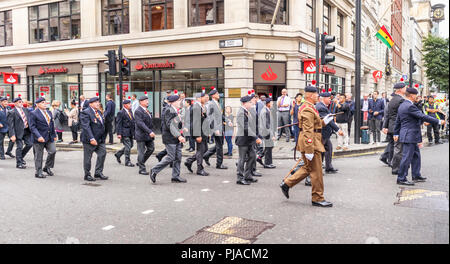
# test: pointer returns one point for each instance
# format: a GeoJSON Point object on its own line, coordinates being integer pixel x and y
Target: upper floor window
{"type": "Point", "coordinates": [206, 12]}
{"type": "Point", "coordinates": [353, 34]}
{"type": "Point", "coordinates": [55, 21]}
{"type": "Point", "coordinates": [311, 14]}
{"type": "Point", "coordinates": [339, 30]}
{"type": "Point", "coordinates": [157, 14]}
{"type": "Point", "coordinates": [262, 11]}
{"type": "Point", "coordinates": [115, 17]}
{"type": "Point", "coordinates": [326, 17]}
{"type": "Point", "coordinates": [5, 28]}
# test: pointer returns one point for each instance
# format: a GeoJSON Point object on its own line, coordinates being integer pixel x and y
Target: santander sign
{"type": "Point", "coordinates": [269, 75]}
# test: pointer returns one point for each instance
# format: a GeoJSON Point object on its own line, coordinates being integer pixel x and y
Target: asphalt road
{"type": "Point", "coordinates": [128, 208]}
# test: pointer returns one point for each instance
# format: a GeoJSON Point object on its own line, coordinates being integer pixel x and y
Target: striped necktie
{"type": "Point", "coordinates": [98, 116]}
{"type": "Point", "coordinates": [24, 118]}
{"type": "Point", "coordinates": [47, 117]}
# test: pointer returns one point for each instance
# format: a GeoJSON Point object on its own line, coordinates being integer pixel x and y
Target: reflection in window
{"type": "Point", "coordinates": [115, 17]}
{"type": "Point", "coordinates": [339, 30]}
{"type": "Point", "coordinates": [55, 21]}
{"type": "Point", "coordinates": [5, 28]}
{"type": "Point", "coordinates": [262, 11]}
{"type": "Point", "coordinates": [311, 14]}
{"type": "Point", "coordinates": [205, 12]}
{"type": "Point", "coordinates": [326, 18]}
{"type": "Point", "coordinates": [157, 14]}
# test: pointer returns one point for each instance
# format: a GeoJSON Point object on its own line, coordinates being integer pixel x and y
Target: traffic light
{"type": "Point", "coordinates": [412, 66]}
{"type": "Point", "coordinates": [111, 62]}
{"type": "Point", "coordinates": [325, 49]}
{"type": "Point", "coordinates": [125, 66]}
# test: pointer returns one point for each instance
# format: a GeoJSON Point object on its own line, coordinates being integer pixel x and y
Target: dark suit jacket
{"type": "Point", "coordinates": [246, 128]}
{"type": "Point", "coordinates": [376, 106]}
{"type": "Point", "coordinates": [144, 125]}
{"type": "Point", "coordinates": [91, 127]}
{"type": "Point", "coordinates": [409, 121]}
{"type": "Point", "coordinates": [40, 128]}
{"type": "Point", "coordinates": [125, 124]}
{"type": "Point", "coordinates": [3, 120]}
{"type": "Point", "coordinates": [173, 126]}
{"type": "Point", "coordinates": [328, 130]}
{"type": "Point", "coordinates": [391, 116]}
{"type": "Point", "coordinates": [15, 123]}
{"type": "Point", "coordinates": [110, 110]}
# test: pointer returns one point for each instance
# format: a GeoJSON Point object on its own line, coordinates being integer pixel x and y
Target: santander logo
{"type": "Point", "coordinates": [11, 79]}
{"type": "Point", "coordinates": [269, 75]}
{"type": "Point", "coordinates": [311, 67]}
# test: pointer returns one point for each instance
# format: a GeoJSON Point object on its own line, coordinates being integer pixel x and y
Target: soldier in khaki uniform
{"type": "Point", "coordinates": [311, 147]}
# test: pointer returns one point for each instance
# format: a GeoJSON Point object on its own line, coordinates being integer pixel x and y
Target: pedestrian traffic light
{"type": "Point", "coordinates": [325, 49]}
{"type": "Point", "coordinates": [111, 62]}
{"type": "Point", "coordinates": [412, 66]}
{"type": "Point", "coordinates": [125, 66]}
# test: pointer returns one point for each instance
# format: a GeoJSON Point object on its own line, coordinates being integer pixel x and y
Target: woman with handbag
{"type": "Point", "coordinates": [73, 122]}
{"type": "Point", "coordinates": [58, 117]}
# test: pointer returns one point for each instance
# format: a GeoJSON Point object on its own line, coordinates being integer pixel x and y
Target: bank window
{"type": "Point", "coordinates": [326, 18]}
{"type": "Point", "coordinates": [157, 14]}
{"type": "Point", "coordinates": [206, 12]}
{"type": "Point", "coordinates": [5, 28]}
{"type": "Point", "coordinates": [353, 36]}
{"type": "Point", "coordinates": [262, 11]}
{"type": "Point", "coordinates": [310, 14]}
{"type": "Point", "coordinates": [339, 31]}
{"type": "Point", "coordinates": [115, 17]}
{"type": "Point", "coordinates": [55, 21]}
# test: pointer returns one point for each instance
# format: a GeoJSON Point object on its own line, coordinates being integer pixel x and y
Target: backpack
{"type": "Point", "coordinates": [62, 118]}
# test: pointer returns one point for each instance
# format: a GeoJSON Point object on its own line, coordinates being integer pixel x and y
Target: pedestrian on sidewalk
{"type": "Point", "coordinates": [73, 122]}
{"type": "Point", "coordinates": [110, 112]}
{"type": "Point", "coordinates": [42, 127]}
{"type": "Point", "coordinates": [351, 105]}
{"type": "Point", "coordinates": [298, 101]}
{"type": "Point", "coordinates": [343, 111]}
{"type": "Point", "coordinates": [283, 106]}
{"type": "Point", "coordinates": [408, 132]}
{"type": "Point", "coordinates": [125, 132]}
{"type": "Point", "coordinates": [364, 111]}
{"type": "Point", "coordinates": [229, 130]}
{"type": "Point", "coordinates": [60, 117]}
{"type": "Point", "coordinates": [376, 112]}
{"type": "Point", "coordinates": [432, 109]}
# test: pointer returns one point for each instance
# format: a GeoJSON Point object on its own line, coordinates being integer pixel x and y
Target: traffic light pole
{"type": "Point", "coordinates": [317, 59]}
{"type": "Point", "coordinates": [358, 73]}
{"type": "Point", "coordinates": [120, 77]}
{"type": "Point", "coordinates": [411, 67]}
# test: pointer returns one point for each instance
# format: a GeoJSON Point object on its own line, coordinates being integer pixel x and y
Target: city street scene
{"type": "Point", "coordinates": [254, 122]}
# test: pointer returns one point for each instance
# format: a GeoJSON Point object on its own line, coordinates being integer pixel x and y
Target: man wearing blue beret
{"type": "Point", "coordinates": [19, 131]}
{"type": "Point", "coordinates": [125, 132]}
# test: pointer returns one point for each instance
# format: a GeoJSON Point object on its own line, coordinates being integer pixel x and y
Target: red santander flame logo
{"type": "Point", "coordinates": [269, 75]}
{"type": "Point", "coordinates": [139, 66]}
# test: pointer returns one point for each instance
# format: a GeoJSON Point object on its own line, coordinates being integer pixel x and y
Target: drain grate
{"type": "Point", "coordinates": [230, 230]}
{"type": "Point", "coordinates": [421, 198]}
{"type": "Point", "coordinates": [92, 184]}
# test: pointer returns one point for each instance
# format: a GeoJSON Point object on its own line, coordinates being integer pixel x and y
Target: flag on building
{"type": "Point", "coordinates": [385, 37]}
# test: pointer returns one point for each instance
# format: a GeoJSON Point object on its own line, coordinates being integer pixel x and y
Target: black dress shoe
{"type": "Point", "coordinates": [21, 166]}
{"type": "Point", "coordinates": [270, 166]}
{"type": "Point", "coordinates": [179, 180]}
{"type": "Point", "coordinates": [331, 171]}
{"type": "Point", "coordinates": [259, 160]}
{"type": "Point", "coordinates": [144, 172]}
{"type": "Point", "coordinates": [207, 161]}
{"type": "Point", "coordinates": [118, 158]}
{"type": "Point", "coordinates": [242, 182]}
{"type": "Point", "coordinates": [394, 172]}
{"type": "Point", "coordinates": [438, 143]}
{"type": "Point", "coordinates": [41, 176]}
{"type": "Point", "coordinates": [24, 162]}
{"type": "Point", "coordinates": [159, 158]}
{"type": "Point", "coordinates": [48, 171]}
{"type": "Point", "coordinates": [419, 179]}
{"type": "Point", "coordinates": [10, 154]}
{"type": "Point", "coordinates": [308, 181]}
{"type": "Point", "coordinates": [88, 178]}
{"type": "Point", "coordinates": [189, 167]}
{"type": "Point", "coordinates": [285, 189]}
{"type": "Point", "coordinates": [256, 174]}
{"type": "Point", "coordinates": [101, 176]}
{"type": "Point", "coordinates": [408, 183]}
{"type": "Point", "coordinates": [251, 180]}
{"type": "Point", "coordinates": [202, 173]}
{"type": "Point", "coordinates": [384, 161]}
{"type": "Point", "coordinates": [322, 204]}
{"type": "Point", "coordinates": [129, 164]}
{"type": "Point", "coordinates": [152, 176]}
{"type": "Point", "coordinates": [222, 167]}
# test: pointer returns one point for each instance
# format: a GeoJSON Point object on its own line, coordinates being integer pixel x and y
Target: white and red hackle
{"type": "Point", "coordinates": [175, 92]}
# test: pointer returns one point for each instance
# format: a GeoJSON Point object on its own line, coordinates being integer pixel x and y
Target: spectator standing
{"type": "Point", "coordinates": [59, 117]}
{"type": "Point", "coordinates": [431, 109]}
{"type": "Point", "coordinates": [376, 112]}
{"type": "Point", "coordinates": [351, 105]}
{"type": "Point", "coordinates": [229, 130]}
{"type": "Point", "coordinates": [283, 106]}
{"type": "Point", "coordinates": [73, 122]}
{"type": "Point", "coordinates": [294, 113]}
{"type": "Point", "coordinates": [343, 111]}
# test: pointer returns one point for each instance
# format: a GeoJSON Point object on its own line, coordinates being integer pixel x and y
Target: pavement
{"type": "Point", "coordinates": [128, 208]}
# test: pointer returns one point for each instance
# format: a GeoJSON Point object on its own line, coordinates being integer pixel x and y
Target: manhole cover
{"type": "Point", "coordinates": [92, 184]}
{"type": "Point", "coordinates": [420, 198]}
{"type": "Point", "coordinates": [230, 230]}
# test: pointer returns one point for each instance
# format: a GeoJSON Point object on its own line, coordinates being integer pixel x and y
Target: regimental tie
{"type": "Point", "coordinates": [98, 117]}
{"type": "Point", "coordinates": [24, 118]}
{"type": "Point", "coordinates": [128, 112]}
{"type": "Point", "coordinates": [47, 117]}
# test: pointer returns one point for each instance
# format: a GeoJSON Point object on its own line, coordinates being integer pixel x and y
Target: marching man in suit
{"type": "Point", "coordinates": [311, 146]}
{"type": "Point", "coordinates": [44, 136]}
{"type": "Point", "coordinates": [125, 132]}
{"type": "Point", "coordinates": [3, 125]}
{"type": "Point", "coordinates": [19, 131]}
{"type": "Point", "coordinates": [267, 130]}
{"type": "Point", "coordinates": [173, 139]}
{"type": "Point", "coordinates": [93, 137]}
{"type": "Point", "coordinates": [408, 132]}
{"type": "Point", "coordinates": [145, 136]}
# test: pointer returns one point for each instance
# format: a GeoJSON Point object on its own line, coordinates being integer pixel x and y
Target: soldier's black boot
{"type": "Point", "coordinates": [284, 189]}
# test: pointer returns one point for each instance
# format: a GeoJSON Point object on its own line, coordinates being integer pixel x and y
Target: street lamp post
{"type": "Point", "coordinates": [358, 73]}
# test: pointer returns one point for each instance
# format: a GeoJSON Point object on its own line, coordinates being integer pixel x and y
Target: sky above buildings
{"type": "Point", "coordinates": [443, 27]}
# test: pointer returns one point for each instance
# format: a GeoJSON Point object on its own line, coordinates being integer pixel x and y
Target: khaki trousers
{"type": "Point", "coordinates": [314, 169]}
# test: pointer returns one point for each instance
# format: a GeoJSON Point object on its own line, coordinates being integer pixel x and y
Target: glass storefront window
{"type": "Point", "coordinates": [64, 88]}
{"type": "Point", "coordinates": [262, 11]}
{"type": "Point", "coordinates": [336, 83]}
{"type": "Point", "coordinates": [157, 14]}
{"type": "Point", "coordinates": [6, 28]}
{"type": "Point", "coordinates": [206, 12]}
{"type": "Point", "coordinates": [6, 91]}
{"type": "Point", "coordinates": [115, 17]}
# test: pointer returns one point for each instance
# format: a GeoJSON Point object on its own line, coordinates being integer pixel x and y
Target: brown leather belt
{"type": "Point", "coordinates": [315, 130]}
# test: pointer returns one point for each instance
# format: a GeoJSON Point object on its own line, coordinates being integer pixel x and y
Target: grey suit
{"type": "Point", "coordinates": [267, 130]}
{"type": "Point", "coordinates": [216, 118]}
